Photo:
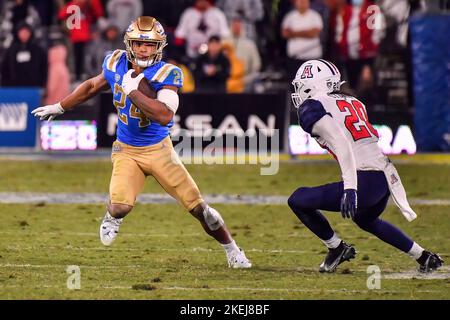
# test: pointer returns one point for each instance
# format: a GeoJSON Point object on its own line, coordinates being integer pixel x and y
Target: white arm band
{"type": "Point", "coordinates": [169, 98]}
{"type": "Point", "coordinates": [328, 129]}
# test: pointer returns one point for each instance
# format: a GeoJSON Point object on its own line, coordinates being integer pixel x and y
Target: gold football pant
{"type": "Point", "coordinates": [131, 165]}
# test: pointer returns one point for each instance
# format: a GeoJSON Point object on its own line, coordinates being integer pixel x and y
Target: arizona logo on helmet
{"type": "Point", "coordinates": [307, 73]}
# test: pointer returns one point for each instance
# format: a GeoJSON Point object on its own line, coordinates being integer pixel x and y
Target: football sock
{"type": "Point", "coordinates": [416, 251]}
{"type": "Point", "coordinates": [230, 247]}
{"type": "Point", "coordinates": [333, 242]}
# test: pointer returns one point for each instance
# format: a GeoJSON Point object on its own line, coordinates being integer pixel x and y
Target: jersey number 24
{"type": "Point", "coordinates": [134, 112]}
{"type": "Point", "coordinates": [356, 121]}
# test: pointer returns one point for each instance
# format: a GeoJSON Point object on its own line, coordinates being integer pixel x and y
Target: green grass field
{"type": "Point", "coordinates": [162, 252]}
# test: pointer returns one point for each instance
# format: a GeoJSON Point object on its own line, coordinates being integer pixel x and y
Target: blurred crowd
{"type": "Point", "coordinates": [229, 46]}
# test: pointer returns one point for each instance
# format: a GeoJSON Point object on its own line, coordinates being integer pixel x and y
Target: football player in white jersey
{"type": "Point", "coordinates": [339, 123]}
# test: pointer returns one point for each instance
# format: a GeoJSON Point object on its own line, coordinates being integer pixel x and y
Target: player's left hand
{"type": "Point", "coordinates": [129, 83]}
{"type": "Point", "coordinates": [349, 203]}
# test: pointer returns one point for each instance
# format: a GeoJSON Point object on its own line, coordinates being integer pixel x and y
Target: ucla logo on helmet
{"type": "Point", "coordinates": [159, 28]}
{"type": "Point", "coordinates": [307, 73]}
{"type": "Point", "coordinates": [130, 28]}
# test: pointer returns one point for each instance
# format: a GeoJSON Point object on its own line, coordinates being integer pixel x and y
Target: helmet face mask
{"type": "Point", "coordinates": [315, 77]}
{"type": "Point", "coordinates": [145, 29]}
{"type": "Point", "coordinates": [301, 92]}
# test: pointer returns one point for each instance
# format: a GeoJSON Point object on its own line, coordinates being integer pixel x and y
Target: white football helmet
{"type": "Point", "coordinates": [313, 77]}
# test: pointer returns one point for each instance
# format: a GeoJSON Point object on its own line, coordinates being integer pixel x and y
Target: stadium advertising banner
{"type": "Point", "coordinates": [17, 124]}
{"type": "Point", "coordinates": [68, 135]}
{"type": "Point", "coordinates": [243, 122]}
{"type": "Point", "coordinates": [395, 132]}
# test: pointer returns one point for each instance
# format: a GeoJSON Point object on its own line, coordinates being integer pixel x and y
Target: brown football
{"type": "Point", "coordinates": [145, 87]}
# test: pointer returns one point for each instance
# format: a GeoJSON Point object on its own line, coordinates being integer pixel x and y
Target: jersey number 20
{"type": "Point", "coordinates": [353, 120]}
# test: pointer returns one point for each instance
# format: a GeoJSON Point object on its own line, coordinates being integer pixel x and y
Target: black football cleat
{"type": "Point", "coordinates": [335, 257]}
{"type": "Point", "coordinates": [429, 262]}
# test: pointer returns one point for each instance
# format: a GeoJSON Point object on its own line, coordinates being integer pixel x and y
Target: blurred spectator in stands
{"type": "Point", "coordinates": [359, 30]}
{"type": "Point", "coordinates": [58, 82]}
{"type": "Point", "coordinates": [212, 68]}
{"type": "Point", "coordinates": [246, 51]}
{"type": "Point", "coordinates": [331, 50]}
{"type": "Point", "coordinates": [301, 27]}
{"type": "Point", "coordinates": [235, 82]}
{"type": "Point", "coordinates": [12, 13]}
{"type": "Point", "coordinates": [122, 12]}
{"type": "Point", "coordinates": [168, 12]}
{"type": "Point", "coordinates": [109, 40]}
{"type": "Point", "coordinates": [25, 62]}
{"type": "Point", "coordinates": [79, 22]}
{"type": "Point", "coordinates": [397, 11]}
{"type": "Point", "coordinates": [251, 11]}
{"type": "Point", "coordinates": [188, 77]}
{"type": "Point", "coordinates": [198, 24]}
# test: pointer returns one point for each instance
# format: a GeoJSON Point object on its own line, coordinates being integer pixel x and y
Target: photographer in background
{"type": "Point", "coordinates": [212, 68]}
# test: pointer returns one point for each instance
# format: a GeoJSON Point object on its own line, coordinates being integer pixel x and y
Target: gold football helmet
{"type": "Point", "coordinates": [146, 29]}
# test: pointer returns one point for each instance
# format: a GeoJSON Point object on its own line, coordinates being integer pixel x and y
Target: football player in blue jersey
{"type": "Point", "coordinates": [143, 146]}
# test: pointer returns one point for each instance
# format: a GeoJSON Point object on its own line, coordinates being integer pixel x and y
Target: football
{"type": "Point", "coordinates": [145, 87]}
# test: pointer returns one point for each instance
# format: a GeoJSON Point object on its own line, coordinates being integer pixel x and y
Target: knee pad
{"type": "Point", "coordinates": [212, 218]}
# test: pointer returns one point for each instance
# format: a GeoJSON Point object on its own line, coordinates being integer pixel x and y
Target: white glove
{"type": "Point", "coordinates": [50, 111]}
{"type": "Point", "coordinates": [130, 84]}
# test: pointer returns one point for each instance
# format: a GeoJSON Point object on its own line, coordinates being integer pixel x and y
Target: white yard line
{"type": "Point", "coordinates": [160, 198]}
{"type": "Point", "coordinates": [442, 273]}
{"type": "Point", "coordinates": [179, 235]}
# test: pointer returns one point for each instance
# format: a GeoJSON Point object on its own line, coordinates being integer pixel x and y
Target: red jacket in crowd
{"type": "Point", "coordinates": [359, 30]}
{"type": "Point", "coordinates": [79, 25]}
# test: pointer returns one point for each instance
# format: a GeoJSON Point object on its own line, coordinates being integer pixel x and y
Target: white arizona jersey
{"type": "Point", "coordinates": [345, 126]}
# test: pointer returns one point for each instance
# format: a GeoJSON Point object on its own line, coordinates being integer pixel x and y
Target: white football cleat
{"type": "Point", "coordinates": [109, 228]}
{"type": "Point", "coordinates": [238, 260]}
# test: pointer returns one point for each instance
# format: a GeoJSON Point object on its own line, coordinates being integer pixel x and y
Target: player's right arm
{"type": "Point", "coordinates": [82, 93]}
{"type": "Point", "coordinates": [316, 121]}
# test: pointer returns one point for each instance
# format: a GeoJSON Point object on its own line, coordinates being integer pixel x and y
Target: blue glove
{"type": "Point", "coordinates": [349, 203]}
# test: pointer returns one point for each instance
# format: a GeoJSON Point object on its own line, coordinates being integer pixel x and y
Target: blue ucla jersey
{"type": "Point", "coordinates": [133, 127]}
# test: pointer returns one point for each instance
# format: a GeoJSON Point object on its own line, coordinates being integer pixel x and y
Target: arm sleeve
{"type": "Point", "coordinates": [309, 113]}
{"type": "Point", "coordinates": [328, 129]}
